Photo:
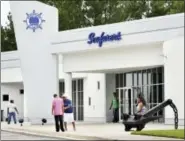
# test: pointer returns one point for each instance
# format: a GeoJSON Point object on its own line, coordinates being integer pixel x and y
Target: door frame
{"type": "Point", "coordinates": [119, 96]}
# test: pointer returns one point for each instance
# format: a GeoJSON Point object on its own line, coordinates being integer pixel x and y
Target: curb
{"type": "Point", "coordinates": [64, 136]}
{"type": "Point", "coordinates": [32, 134]}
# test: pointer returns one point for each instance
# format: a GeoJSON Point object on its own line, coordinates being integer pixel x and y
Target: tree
{"type": "Point", "coordinates": [8, 42]}
{"type": "Point", "coordinates": [71, 14]}
{"type": "Point", "coordinates": [165, 7]}
{"type": "Point", "coordinates": [176, 7]}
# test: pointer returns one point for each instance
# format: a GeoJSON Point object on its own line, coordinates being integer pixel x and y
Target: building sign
{"type": "Point", "coordinates": [103, 38]}
{"type": "Point", "coordinates": [34, 20]}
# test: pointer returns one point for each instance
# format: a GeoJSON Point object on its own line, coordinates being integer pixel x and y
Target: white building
{"type": "Point", "coordinates": [144, 55]}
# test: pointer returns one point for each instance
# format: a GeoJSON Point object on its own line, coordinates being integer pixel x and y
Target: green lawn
{"type": "Point", "coordinates": [162, 133]}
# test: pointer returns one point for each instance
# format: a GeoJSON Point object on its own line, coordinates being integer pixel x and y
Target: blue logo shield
{"type": "Point", "coordinates": [34, 20]}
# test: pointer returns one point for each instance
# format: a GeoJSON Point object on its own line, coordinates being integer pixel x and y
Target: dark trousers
{"type": "Point", "coordinates": [10, 115]}
{"type": "Point", "coordinates": [59, 124]}
{"type": "Point", "coordinates": [116, 114]}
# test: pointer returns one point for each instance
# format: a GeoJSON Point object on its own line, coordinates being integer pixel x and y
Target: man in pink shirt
{"type": "Point", "coordinates": [58, 111]}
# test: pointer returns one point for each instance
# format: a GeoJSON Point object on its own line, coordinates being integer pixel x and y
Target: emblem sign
{"type": "Point", "coordinates": [34, 21]}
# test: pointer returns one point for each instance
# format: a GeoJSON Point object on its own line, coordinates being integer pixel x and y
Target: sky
{"type": "Point", "coordinates": [5, 8]}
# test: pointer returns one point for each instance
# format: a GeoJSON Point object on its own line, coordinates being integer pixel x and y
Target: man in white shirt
{"type": "Point", "coordinates": [12, 109]}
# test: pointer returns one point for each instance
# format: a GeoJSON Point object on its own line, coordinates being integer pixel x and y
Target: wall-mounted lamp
{"type": "Point", "coordinates": [44, 121]}
{"type": "Point", "coordinates": [21, 121]}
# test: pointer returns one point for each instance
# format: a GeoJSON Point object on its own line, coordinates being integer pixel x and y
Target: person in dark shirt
{"type": "Point", "coordinates": [68, 112]}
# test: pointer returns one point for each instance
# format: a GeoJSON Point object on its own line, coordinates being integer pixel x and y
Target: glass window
{"type": "Point", "coordinates": [77, 99]}
{"type": "Point", "coordinates": [121, 80]}
{"type": "Point", "coordinates": [148, 94]}
{"type": "Point", "coordinates": [160, 93]}
{"type": "Point", "coordinates": [124, 80]}
{"type": "Point", "coordinates": [79, 84]}
{"type": "Point", "coordinates": [144, 77]}
{"type": "Point", "coordinates": [117, 80]}
{"type": "Point", "coordinates": [151, 94]}
{"type": "Point", "coordinates": [144, 92]}
{"type": "Point", "coordinates": [160, 75]}
{"type": "Point", "coordinates": [154, 76]}
{"type": "Point", "coordinates": [74, 86]}
{"type": "Point", "coordinates": [135, 79]}
{"type": "Point", "coordinates": [128, 79]}
{"type": "Point", "coordinates": [154, 94]}
{"type": "Point", "coordinates": [149, 76]}
{"type": "Point", "coordinates": [140, 78]}
{"type": "Point", "coordinates": [61, 88]}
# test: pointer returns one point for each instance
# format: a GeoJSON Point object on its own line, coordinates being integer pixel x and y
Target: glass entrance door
{"type": "Point", "coordinates": [126, 102]}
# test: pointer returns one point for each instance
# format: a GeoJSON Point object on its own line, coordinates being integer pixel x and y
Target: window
{"type": "Point", "coordinates": [98, 83]}
{"type": "Point", "coordinates": [5, 97]}
{"type": "Point", "coordinates": [21, 91]}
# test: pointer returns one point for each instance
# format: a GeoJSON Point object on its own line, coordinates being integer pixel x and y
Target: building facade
{"type": "Point", "coordinates": [91, 63]}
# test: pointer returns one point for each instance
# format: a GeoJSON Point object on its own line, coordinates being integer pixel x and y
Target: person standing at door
{"type": "Point", "coordinates": [12, 110]}
{"type": "Point", "coordinates": [57, 111]}
{"type": "Point", "coordinates": [68, 112]}
{"type": "Point", "coordinates": [115, 105]}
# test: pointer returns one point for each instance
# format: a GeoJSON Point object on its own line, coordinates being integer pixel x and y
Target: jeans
{"type": "Point", "coordinates": [10, 115]}
{"type": "Point", "coordinates": [116, 114]}
{"type": "Point", "coordinates": [59, 118]}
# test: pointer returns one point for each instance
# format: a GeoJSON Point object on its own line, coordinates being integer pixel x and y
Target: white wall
{"type": "Point", "coordinates": [13, 90]}
{"type": "Point", "coordinates": [9, 75]}
{"type": "Point", "coordinates": [38, 65]}
{"type": "Point", "coordinates": [130, 57]}
{"type": "Point", "coordinates": [96, 111]}
{"type": "Point", "coordinates": [174, 77]}
{"type": "Point", "coordinates": [110, 88]}
{"type": "Point", "coordinates": [135, 32]}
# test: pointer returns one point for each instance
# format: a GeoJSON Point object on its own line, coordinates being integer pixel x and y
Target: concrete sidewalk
{"type": "Point", "coordinates": [106, 131]}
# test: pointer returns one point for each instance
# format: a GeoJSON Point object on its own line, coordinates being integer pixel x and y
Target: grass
{"type": "Point", "coordinates": [178, 134]}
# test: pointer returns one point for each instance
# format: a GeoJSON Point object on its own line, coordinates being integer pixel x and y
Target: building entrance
{"type": "Point", "coordinates": [148, 82]}
{"type": "Point", "coordinates": [126, 101]}
{"type": "Point", "coordinates": [77, 97]}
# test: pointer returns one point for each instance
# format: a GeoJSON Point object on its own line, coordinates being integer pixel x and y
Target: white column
{"type": "Point", "coordinates": [55, 59]}
{"type": "Point", "coordinates": [68, 84]}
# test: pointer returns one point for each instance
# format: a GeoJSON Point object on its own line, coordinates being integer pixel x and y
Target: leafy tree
{"type": "Point", "coordinates": [158, 8]}
{"type": "Point", "coordinates": [177, 7]}
{"type": "Point", "coordinates": [8, 42]}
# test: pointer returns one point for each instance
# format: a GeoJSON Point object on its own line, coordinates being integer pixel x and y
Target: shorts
{"type": "Point", "coordinates": [68, 117]}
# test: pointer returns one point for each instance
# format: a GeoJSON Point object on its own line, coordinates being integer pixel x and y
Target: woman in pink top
{"type": "Point", "coordinates": [58, 111]}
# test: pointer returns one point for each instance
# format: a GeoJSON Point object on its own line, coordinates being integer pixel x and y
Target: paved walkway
{"type": "Point", "coordinates": [88, 131]}
{"type": "Point", "coordinates": [18, 136]}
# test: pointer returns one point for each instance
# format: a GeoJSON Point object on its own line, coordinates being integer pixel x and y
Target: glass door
{"type": "Point", "coordinates": [126, 101]}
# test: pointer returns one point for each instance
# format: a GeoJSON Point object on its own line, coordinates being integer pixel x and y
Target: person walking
{"type": "Point", "coordinates": [68, 112]}
{"type": "Point", "coordinates": [115, 105]}
{"type": "Point", "coordinates": [57, 111]}
{"type": "Point", "coordinates": [12, 109]}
